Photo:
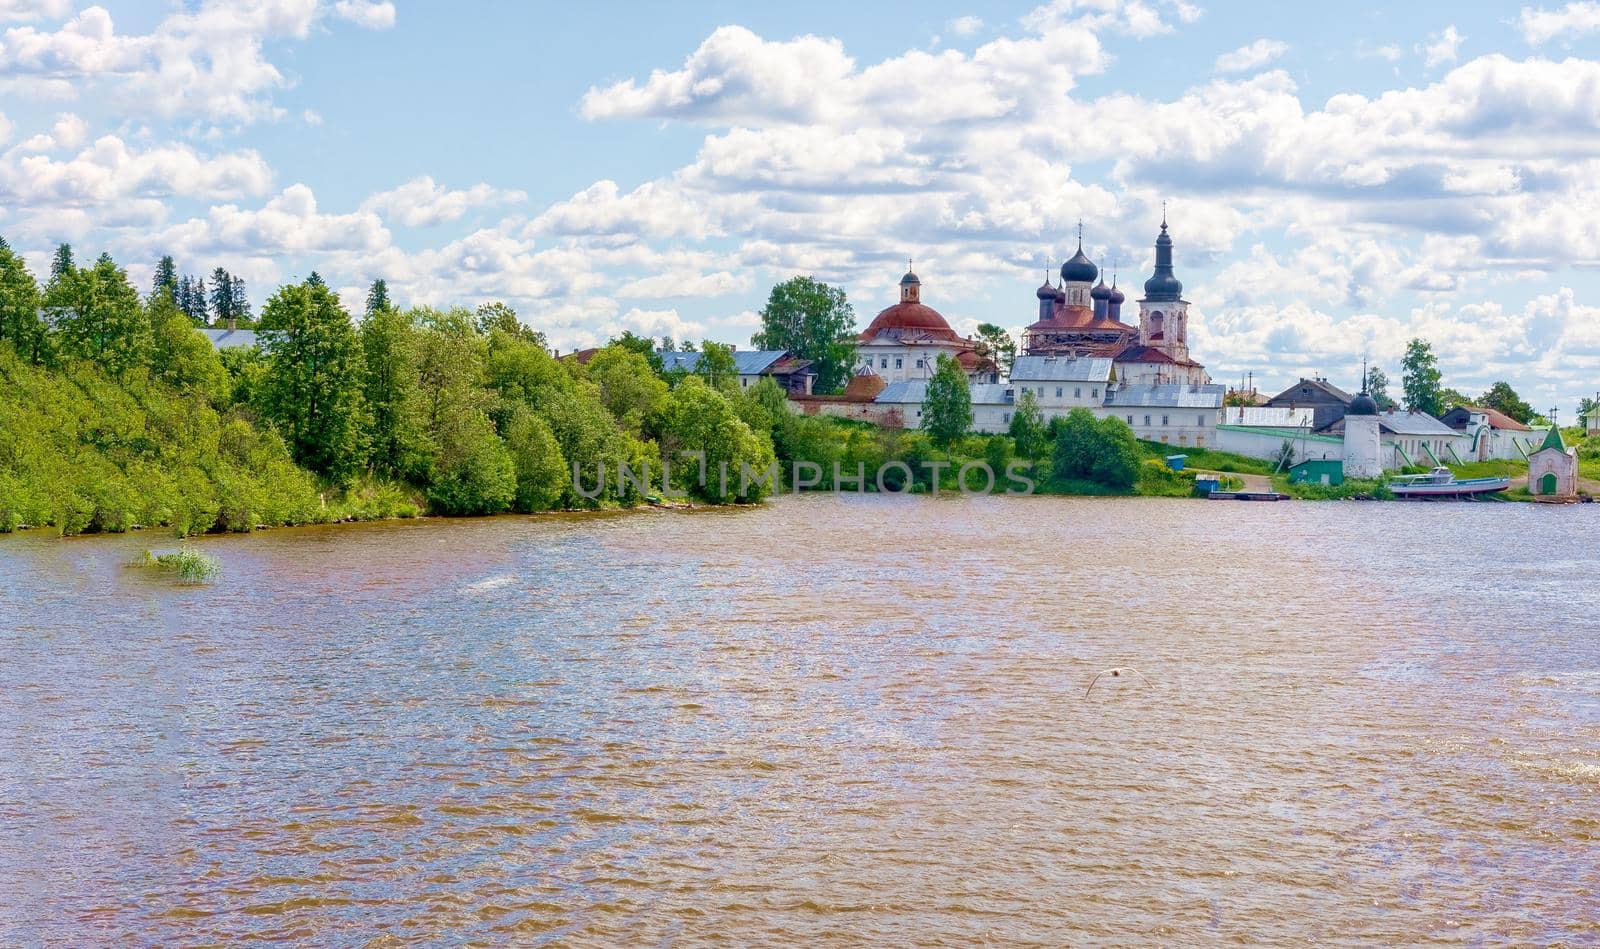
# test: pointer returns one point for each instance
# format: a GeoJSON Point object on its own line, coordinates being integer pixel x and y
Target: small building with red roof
{"type": "Point", "coordinates": [904, 342]}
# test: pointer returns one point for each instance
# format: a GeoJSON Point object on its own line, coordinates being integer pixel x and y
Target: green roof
{"type": "Point", "coordinates": [1293, 434]}
{"type": "Point", "coordinates": [1553, 440]}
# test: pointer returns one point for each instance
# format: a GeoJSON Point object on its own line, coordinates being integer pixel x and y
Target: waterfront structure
{"type": "Point", "coordinates": [1412, 439]}
{"type": "Point", "coordinates": [1491, 434]}
{"type": "Point", "coordinates": [1082, 317]}
{"type": "Point", "coordinates": [904, 341]}
{"type": "Point", "coordinates": [1171, 414]}
{"type": "Point", "coordinates": [1553, 468]}
{"type": "Point", "coordinates": [1362, 438]}
{"type": "Point", "coordinates": [1324, 471]}
{"type": "Point", "coordinates": [790, 372]}
{"type": "Point", "coordinates": [1327, 401]}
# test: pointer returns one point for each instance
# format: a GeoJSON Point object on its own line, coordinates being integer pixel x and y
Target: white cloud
{"type": "Point", "coordinates": [287, 224]}
{"type": "Point", "coordinates": [25, 10]}
{"type": "Point", "coordinates": [1441, 48]}
{"type": "Point", "coordinates": [421, 202]}
{"type": "Point", "coordinates": [109, 172]}
{"type": "Point", "coordinates": [1252, 56]}
{"type": "Point", "coordinates": [311, 117]}
{"type": "Point", "coordinates": [965, 25]}
{"type": "Point", "coordinates": [5, 129]}
{"type": "Point", "coordinates": [208, 61]}
{"type": "Point", "coordinates": [1540, 26]}
{"type": "Point", "coordinates": [372, 15]}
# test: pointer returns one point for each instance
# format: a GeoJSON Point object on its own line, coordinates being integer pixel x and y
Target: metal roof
{"type": "Point", "coordinates": [1168, 396]}
{"type": "Point", "coordinates": [915, 392]}
{"type": "Point", "coordinates": [227, 339]}
{"type": "Point", "coordinates": [1061, 369]}
{"type": "Point", "coordinates": [747, 362]}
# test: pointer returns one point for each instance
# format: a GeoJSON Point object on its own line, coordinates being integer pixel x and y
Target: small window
{"type": "Point", "coordinates": [883, 363]}
{"type": "Point", "coordinates": [1200, 421]}
{"type": "Point", "coordinates": [1147, 420]}
{"type": "Point", "coordinates": [919, 363]}
{"type": "Point", "coordinates": [1094, 393]}
{"type": "Point", "coordinates": [1076, 393]}
{"type": "Point", "coordinates": [1005, 417]}
{"type": "Point", "coordinates": [1130, 420]}
{"type": "Point", "coordinates": [1163, 420]}
{"type": "Point", "coordinates": [744, 383]}
{"type": "Point", "coordinates": [899, 363]}
{"type": "Point", "coordinates": [1058, 392]}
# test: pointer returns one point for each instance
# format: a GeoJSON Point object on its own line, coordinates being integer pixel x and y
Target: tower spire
{"type": "Point", "coordinates": [1163, 214]}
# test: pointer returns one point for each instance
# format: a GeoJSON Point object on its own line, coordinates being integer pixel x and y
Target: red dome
{"type": "Point", "coordinates": [910, 319]}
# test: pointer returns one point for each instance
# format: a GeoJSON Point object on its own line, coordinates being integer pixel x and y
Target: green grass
{"type": "Point", "coordinates": [1209, 459]}
{"type": "Point", "coordinates": [1490, 469]}
{"type": "Point", "coordinates": [190, 566]}
{"type": "Point", "coordinates": [1352, 490]}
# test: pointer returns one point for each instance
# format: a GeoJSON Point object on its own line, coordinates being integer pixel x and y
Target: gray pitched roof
{"type": "Point", "coordinates": [1413, 424]}
{"type": "Point", "coordinates": [226, 338]}
{"type": "Point", "coordinates": [748, 362]}
{"type": "Point", "coordinates": [1168, 396]}
{"type": "Point", "coordinates": [1061, 369]}
{"type": "Point", "coordinates": [915, 392]}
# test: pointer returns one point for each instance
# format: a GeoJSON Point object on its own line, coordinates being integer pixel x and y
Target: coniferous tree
{"type": "Point", "coordinates": [378, 297]}
{"type": "Point", "coordinates": [166, 279]}
{"type": "Point", "coordinates": [199, 309]}
{"type": "Point", "coordinates": [239, 300]}
{"type": "Point", "coordinates": [315, 280]}
{"type": "Point", "coordinates": [61, 264]}
{"type": "Point", "coordinates": [222, 297]}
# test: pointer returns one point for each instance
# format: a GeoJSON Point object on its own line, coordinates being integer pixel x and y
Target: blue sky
{"type": "Point", "coordinates": [1339, 179]}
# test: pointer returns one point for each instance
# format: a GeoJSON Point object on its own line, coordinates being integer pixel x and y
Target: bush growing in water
{"type": "Point", "coordinates": [190, 566]}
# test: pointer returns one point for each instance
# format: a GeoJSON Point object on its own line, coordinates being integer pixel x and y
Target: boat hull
{"type": "Point", "coordinates": [1474, 487]}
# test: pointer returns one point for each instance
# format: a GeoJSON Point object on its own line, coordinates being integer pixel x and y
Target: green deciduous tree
{"type": "Point", "coordinates": [1421, 379]}
{"type": "Point", "coordinates": [20, 321]}
{"type": "Point", "coordinates": [542, 474]}
{"type": "Point", "coordinates": [947, 410]}
{"type": "Point", "coordinates": [995, 343]}
{"type": "Point", "coordinates": [98, 316]}
{"type": "Point", "coordinates": [390, 390]}
{"type": "Point", "coordinates": [717, 367]}
{"type": "Point", "coordinates": [312, 388]}
{"type": "Point", "coordinates": [813, 321]}
{"type": "Point", "coordinates": [181, 356]}
{"type": "Point", "coordinates": [629, 389]}
{"type": "Point", "coordinates": [1027, 429]}
{"type": "Point", "coordinates": [698, 418]}
{"type": "Point", "coordinates": [1102, 451]}
{"type": "Point", "coordinates": [643, 345]}
{"type": "Point", "coordinates": [1505, 399]}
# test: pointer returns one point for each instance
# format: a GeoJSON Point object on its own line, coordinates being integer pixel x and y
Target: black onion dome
{"type": "Point", "coordinates": [1117, 296]}
{"type": "Point", "coordinates": [1362, 404]}
{"type": "Point", "coordinates": [1162, 285]}
{"type": "Point", "coordinates": [1080, 269]}
{"type": "Point", "coordinates": [1046, 292]}
{"type": "Point", "coordinates": [1100, 291]}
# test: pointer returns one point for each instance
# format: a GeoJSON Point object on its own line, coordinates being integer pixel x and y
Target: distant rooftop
{"type": "Point", "coordinates": [228, 339]}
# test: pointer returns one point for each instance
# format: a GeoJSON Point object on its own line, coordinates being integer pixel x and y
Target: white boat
{"type": "Point", "coordinates": [1442, 483]}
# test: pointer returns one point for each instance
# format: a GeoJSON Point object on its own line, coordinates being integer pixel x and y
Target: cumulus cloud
{"type": "Point", "coordinates": [288, 224]}
{"type": "Point", "coordinates": [1540, 26]}
{"type": "Point", "coordinates": [422, 202]}
{"type": "Point", "coordinates": [208, 61]}
{"type": "Point", "coordinates": [1252, 56]}
{"type": "Point", "coordinates": [1441, 48]}
{"type": "Point", "coordinates": [110, 171]}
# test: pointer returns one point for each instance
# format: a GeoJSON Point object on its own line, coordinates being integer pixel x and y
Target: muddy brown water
{"type": "Point", "coordinates": [823, 721]}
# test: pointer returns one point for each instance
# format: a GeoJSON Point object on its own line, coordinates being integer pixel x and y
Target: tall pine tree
{"type": "Point", "coordinates": [166, 279]}
{"type": "Point", "coordinates": [61, 264]}
{"type": "Point", "coordinates": [222, 297]}
{"type": "Point", "coordinates": [239, 300]}
{"type": "Point", "coordinates": [378, 296]}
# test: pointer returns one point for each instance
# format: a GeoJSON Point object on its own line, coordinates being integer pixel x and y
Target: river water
{"type": "Point", "coordinates": [824, 721]}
